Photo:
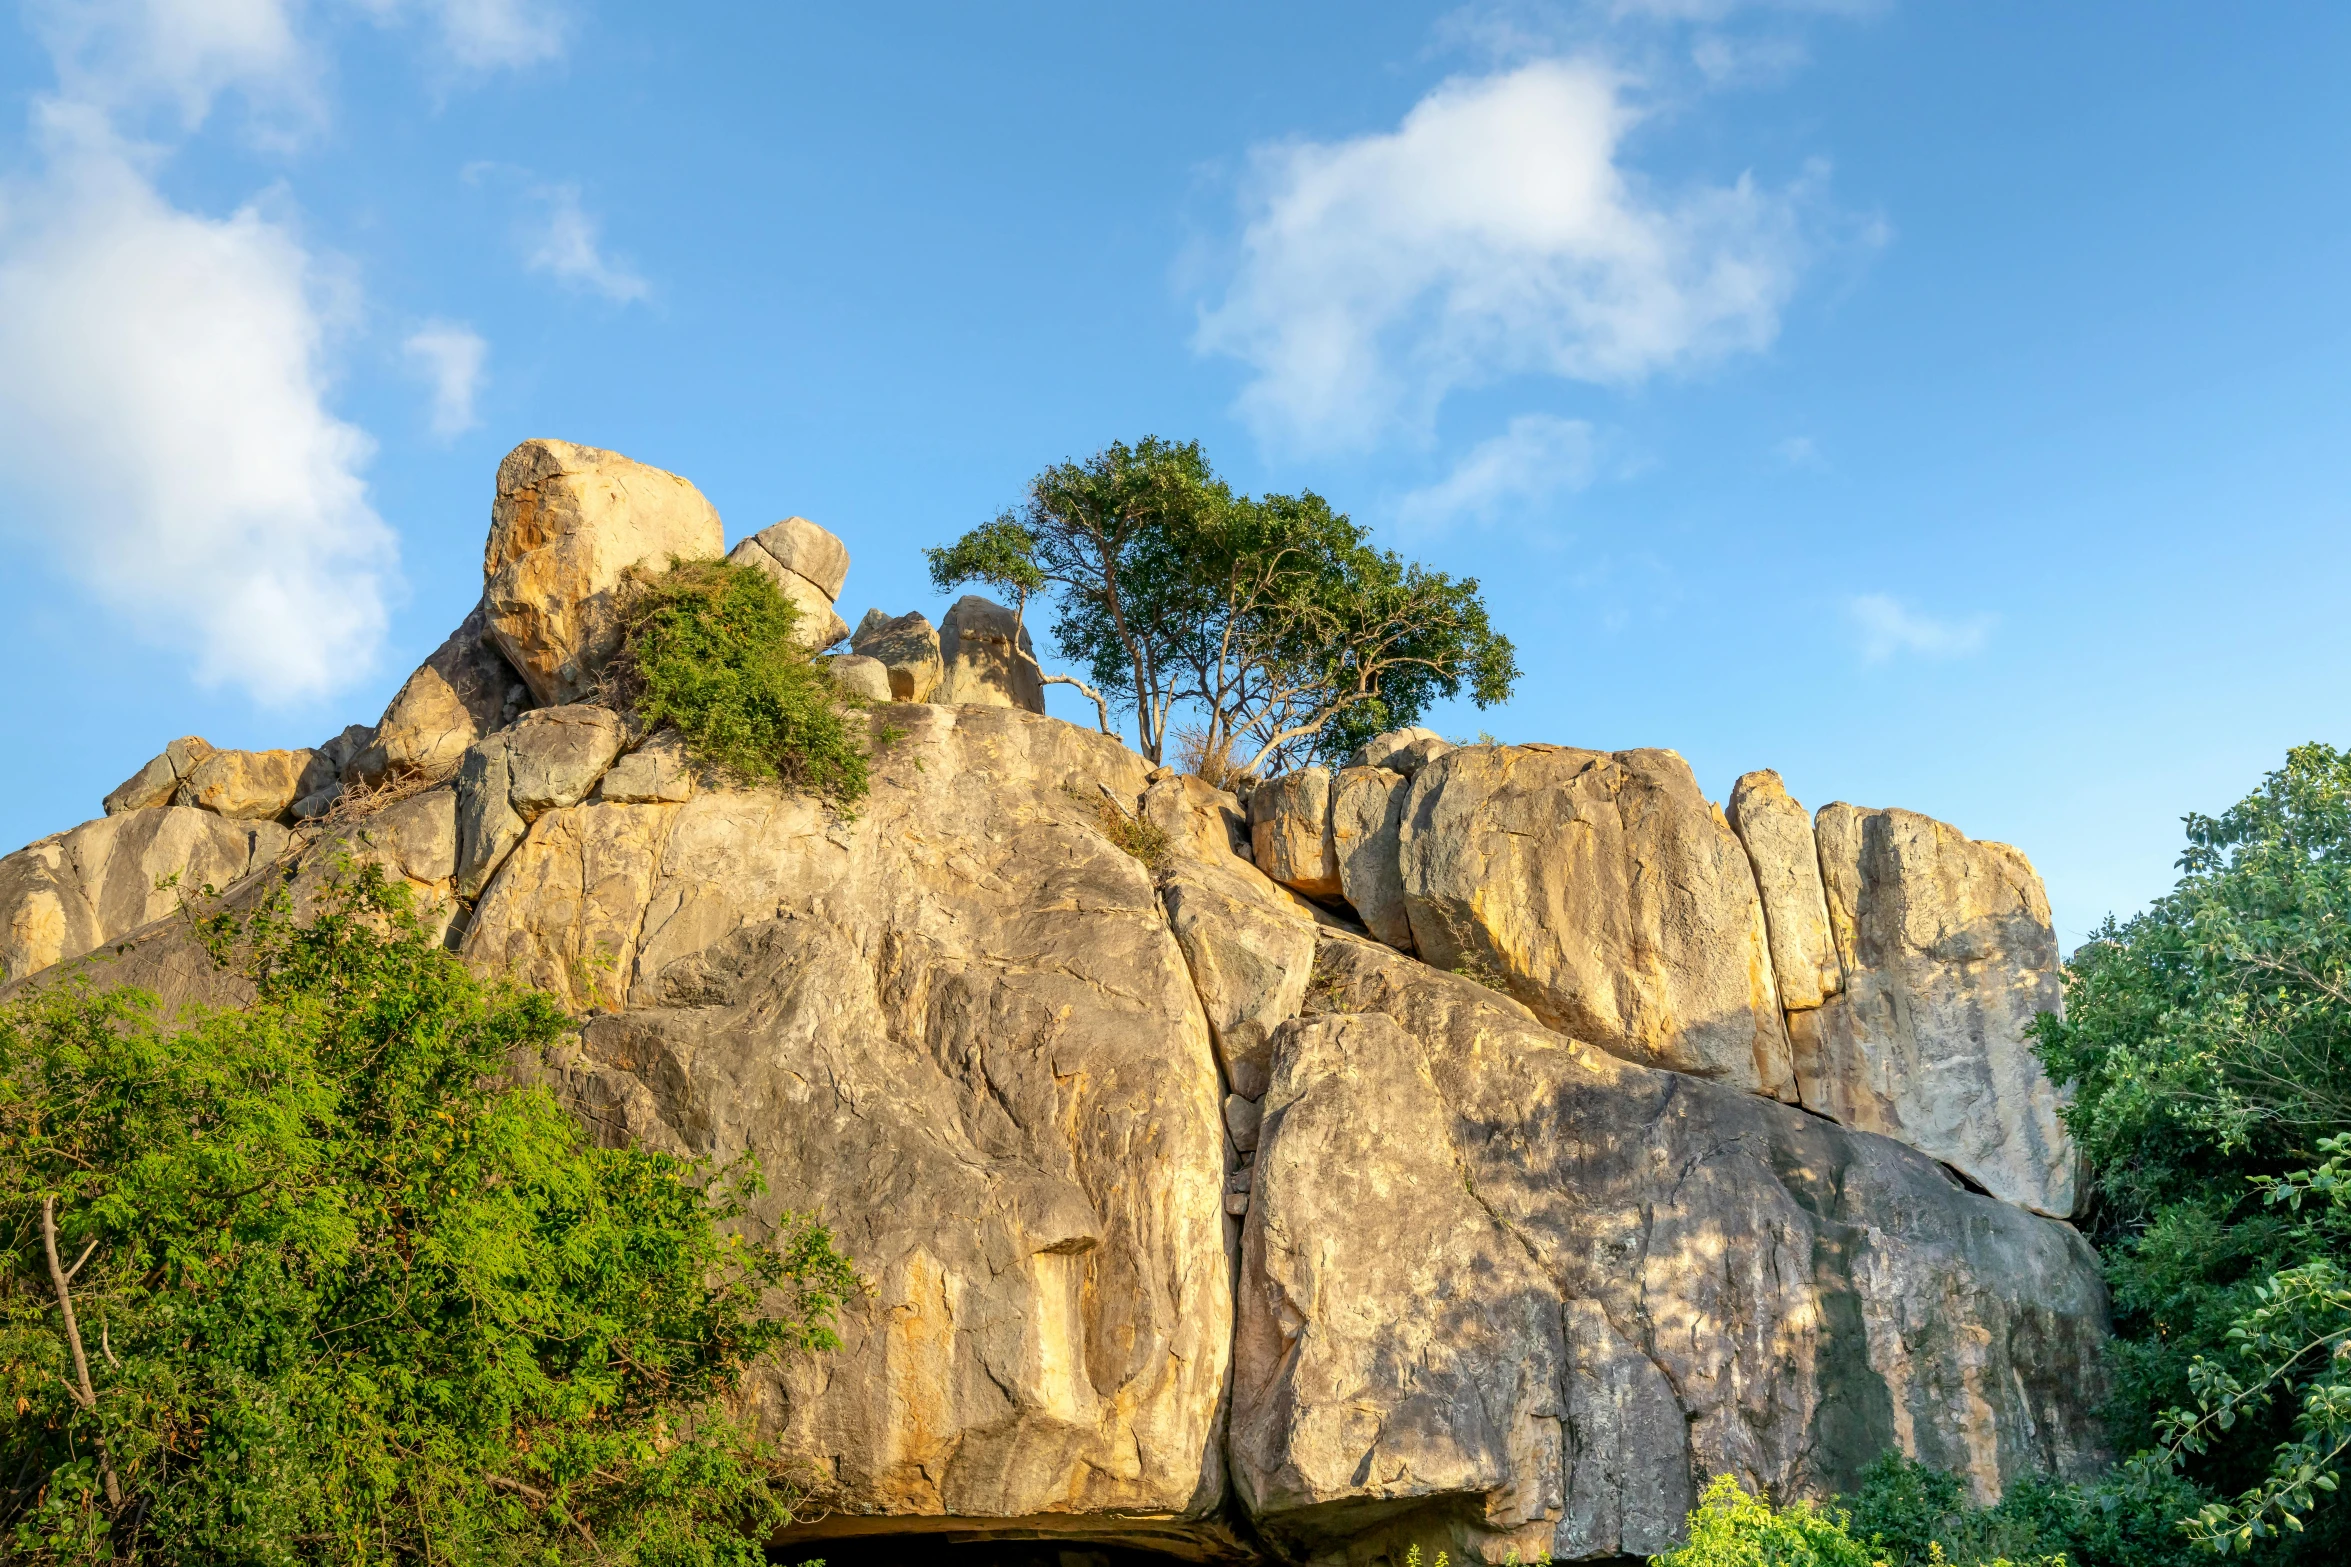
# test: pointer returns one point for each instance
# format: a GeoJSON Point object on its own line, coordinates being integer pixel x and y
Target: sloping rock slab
{"type": "Point", "coordinates": [1502, 1288]}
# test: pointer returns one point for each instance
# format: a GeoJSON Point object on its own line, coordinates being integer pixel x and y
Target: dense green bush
{"type": "Point", "coordinates": [1909, 1512]}
{"type": "Point", "coordinates": [1731, 1528]}
{"type": "Point", "coordinates": [2207, 1044]}
{"type": "Point", "coordinates": [707, 647]}
{"type": "Point", "coordinates": [343, 1291]}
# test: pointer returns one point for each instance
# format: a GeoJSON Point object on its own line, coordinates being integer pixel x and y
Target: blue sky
{"type": "Point", "coordinates": [1944, 405]}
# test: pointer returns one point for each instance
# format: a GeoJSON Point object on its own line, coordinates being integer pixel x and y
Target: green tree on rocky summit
{"type": "Point", "coordinates": [316, 1279]}
{"type": "Point", "coordinates": [1273, 619]}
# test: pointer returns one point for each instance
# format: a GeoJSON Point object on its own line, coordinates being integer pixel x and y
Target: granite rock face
{"type": "Point", "coordinates": [808, 552]}
{"type": "Point", "coordinates": [861, 676]}
{"type": "Point", "coordinates": [73, 893]}
{"type": "Point", "coordinates": [463, 691]}
{"type": "Point", "coordinates": [980, 665]}
{"type": "Point", "coordinates": [1608, 895]}
{"type": "Point", "coordinates": [1290, 831]}
{"type": "Point", "coordinates": [567, 522]}
{"type": "Point", "coordinates": [1609, 1283]}
{"type": "Point", "coordinates": [1367, 819]}
{"type": "Point", "coordinates": [1777, 834]}
{"type": "Point", "coordinates": [819, 625]}
{"type": "Point", "coordinates": [959, 1028]}
{"type": "Point", "coordinates": [156, 783]}
{"type": "Point", "coordinates": [253, 786]}
{"type": "Point", "coordinates": [1948, 955]}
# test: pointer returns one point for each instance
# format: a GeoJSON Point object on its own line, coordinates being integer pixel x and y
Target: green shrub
{"type": "Point", "coordinates": [347, 1292]}
{"type": "Point", "coordinates": [707, 647]}
{"type": "Point", "coordinates": [1914, 1516]}
{"type": "Point", "coordinates": [1733, 1529]}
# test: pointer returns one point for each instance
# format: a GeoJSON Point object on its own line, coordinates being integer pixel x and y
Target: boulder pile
{"type": "Point", "coordinates": [1476, 1147]}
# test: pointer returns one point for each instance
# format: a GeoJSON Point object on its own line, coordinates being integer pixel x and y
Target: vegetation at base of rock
{"type": "Point", "coordinates": [344, 1290]}
{"type": "Point", "coordinates": [1914, 1516]}
{"type": "Point", "coordinates": [2207, 1045]}
{"type": "Point", "coordinates": [1271, 617]}
{"type": "Point", "coordinates": [708, 648]}
{"type": "Point", "coordinates": [1732, 1528]}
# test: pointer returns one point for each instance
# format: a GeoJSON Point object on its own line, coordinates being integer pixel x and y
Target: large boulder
{"type": "Point", "coordinates": [980, 666]}
{"type": "Point", "coordinates": [1502, 1291]}
{"type": "Point", "coordinates": [1606, 893]}
{"type": "Point", "coordinates": [1290, 831]}
{"type": "Point", "coordinates": [908, 648]}
{"type": "Point", "coordinates": [156, 783]}
{"type": "Point", "coordinates": [567, 523]}
{"type": "Point", "coordinates": [1948, 956]}
{"type": "Point", "coordinates": [1777, 835]}
{"type": "Point", "coordinates": [958, 1028]}
{"type": "Point", "coordinates": [1367, 819]}
{"type": "Point", "coordinates": [254, 786]}
{"type": "Point", "coordinates": [464, 690]}
{"type": "Point", "coordinates": [76, 891]}
{"type": "Point", "coordinates": [819, 625]}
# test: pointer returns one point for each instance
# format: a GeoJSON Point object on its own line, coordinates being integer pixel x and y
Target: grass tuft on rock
{"type": "Point", "coordinates": [708, 648]}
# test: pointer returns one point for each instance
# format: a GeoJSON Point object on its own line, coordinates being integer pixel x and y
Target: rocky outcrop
{"type": "Point", "coordinates": [253, 786]}
{"type": "Point", "coordinates": [1948, 956]}
{"type": "Point", "coordinates": [1367, 819]}
{"type": "Point", "coordinates": [156, 783]}
{"type": "Point", "coordinates": [809, 566]}
{"type": "Point", "coordinates": [908, 648]}
{"type": "Point", "coordinates": [656, 773]}
{"type": "Point", "coordinates": [1608, 895]}
{"type": "Point", "coordinates": [551, 759]}
{"type": "Point", "coordinates": [1500, 1287]}
{"type": "Point", "coordinates": [1290, 831]}
{"type": "Point", "coordinates": [979, 664]}
{"type": "Point", "coordinates": [1777, 834]}
{"type": "Point", "coordinates": [1400, 750]}
{"type": "Point", "coordinates": [463, 691]}
{"type": "Point", "coordinates": [567, 523]}
{"type": "Point", "coordinates": [861, 676]}
{"type": "Point", "coordinates": [76, 891]}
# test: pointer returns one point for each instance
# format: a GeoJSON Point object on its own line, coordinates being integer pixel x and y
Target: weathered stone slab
{"type": "Point", "coordinates": [73, 893]}
{"type": "Point", "coordinates": [803, 548]}
{"type": "Point", "coordinates": [1367, 817]}
{"type": "Point", "coordinates": [1777, 834]}
{"type": "Point", "coordinates": [908, 646]}
{"type": "Point", "coordinates": [981, 666]}
{"type": "Point", "coordinates": [156, 783]}
{"type": "Point", "coordinates": [253, 785]}
{"type": "Point", "coordinates": [464, 690]}
{"type": "Point", "coordinates": [1290, 831]}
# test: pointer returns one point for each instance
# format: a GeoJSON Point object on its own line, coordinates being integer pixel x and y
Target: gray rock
{"type": "Point", "coordinates": [156, 783]}
{"type": "Point", "coordinates": [861, 676]}
{"type": "Point", "coordinates": [458, 695]}
{"type": "Point", "coordinates": [488, 826]}
{"type": "Point", "coordinates": [908, 647]}
{"type": "Point", "coordinates": [555, 755]}
{"type": "Point", "coordinates": [981, 666]}
{"type": "Point", "coordinates": [657, 772]}
{"type": "Point", "coordinates": [1610, 1283]}
{"type": "Point", "coordinates": [1241, 1121]}
{"type": "Point", "coordinates": [1607, 894]}
{"type": "Point", "coordinates": [1948, 956]}
{"type": "Point", "coordinates": [800, 546]}
{"type": "Point", "coordinates": [1367, 813]}
{"type": "Point", "coordinates": [1290, 831]}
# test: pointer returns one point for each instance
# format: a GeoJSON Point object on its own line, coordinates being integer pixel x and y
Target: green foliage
{"type": "Point", "coordinates": [707, 646]}
{"type": "Point", "coordinates": [1731, 1528]}
{"type": "Point", "coordinates": [2207, 1044]}
{"type": "Point", "coordinates": [1913, 1516]}
{"type": "Point", "coordinates": [1273, 618]}
{"type": "Point", "coordinates": [348, 1293]}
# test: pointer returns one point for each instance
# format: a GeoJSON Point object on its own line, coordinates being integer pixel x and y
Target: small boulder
{"type": "Point", "coordinates": [908, 647]}
{"type": "Point", "coordinates": [800, 546]}
{"type": "Point", "coordinates": [253, 786]}
{"type": "Point", "coordinates": [656, 773]}
{"type": "Point", "coordinates": [1400, 750]}
{"type": "Point", "coordinates": [156, 783]}
{"type": "Point", "coordinates": [557, 754]}
{"type": "Point", "coordinates": [457, 695]}
{"type": "Point", "coordinates": [982, 668]}
{"type": "Point", "coordinates": [819, 626]}
{"type": "Point", "coordinates": [1290, 831]}
{"type": "Point", "coordinates": [862, 676]}
{"type": "Point", "coordinates": [567, 523]}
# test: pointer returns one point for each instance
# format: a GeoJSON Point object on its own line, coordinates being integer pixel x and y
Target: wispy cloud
{"type": "Point", "coordinates": [1800, 451]}
{"type": "Point", "coordinates": [567, 244]}
{"type": "Point", "coordinates": [486, 35]}
{"type": "Point", "coordinates": [449, 356]}
{"type": "Point", "coordinates": [1538, 458]}
{"type": "Point", "coordinates": [1887, 629]}
{"type": "Point", "coordinates": [1496, 231]}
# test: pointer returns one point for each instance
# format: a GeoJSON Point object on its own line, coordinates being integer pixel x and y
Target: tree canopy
{"type": "Point", "coordinates": [317, 1280]}
{"type": "Point", "coordinates": [1273, 619]}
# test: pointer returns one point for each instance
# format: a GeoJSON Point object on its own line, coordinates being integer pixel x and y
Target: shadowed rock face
{"type": "Point", "coordinates": [1498, 1284]}
{"type": "Point", "coordinates": [1610, 897]}
{"type": "Point", "coordinates": [1949, 955]}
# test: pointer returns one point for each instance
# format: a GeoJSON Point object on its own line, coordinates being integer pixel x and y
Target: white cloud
{"type": "Point", "coordinates": [488, 35]}
{"type": "Point", "coordinates": [121, 59]}
{"type": "Point", "coordinates": [449, 356]}
{"type": "Point", "coordinates": [567, 248]}
{"type": "Point", "coordinates": [1538, 457]}
{"type": "Point", "coordinates": [163, 407]}
{"type": "Point", "coordinates": [1887, 628]}
{"type": "Point", "coordinates": [1494, 232]}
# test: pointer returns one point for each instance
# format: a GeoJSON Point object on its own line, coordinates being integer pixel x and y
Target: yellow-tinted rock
{"type": "Point", "coordinates": [253, 785]}
{"type": "Point", "coordinates": [1777, 834]}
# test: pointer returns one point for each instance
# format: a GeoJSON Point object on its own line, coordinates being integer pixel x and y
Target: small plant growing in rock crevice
{"type": "Point", "coordinates": [708, 648]}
